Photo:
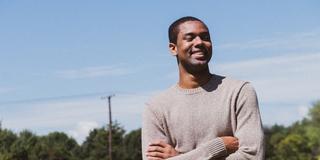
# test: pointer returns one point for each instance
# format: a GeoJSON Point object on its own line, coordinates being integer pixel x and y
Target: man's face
{"type": "Point", "coordinates": [193, 48]}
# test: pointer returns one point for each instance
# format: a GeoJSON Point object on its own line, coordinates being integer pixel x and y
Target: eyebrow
{"type": "Point", "coordinates": [192, 33]}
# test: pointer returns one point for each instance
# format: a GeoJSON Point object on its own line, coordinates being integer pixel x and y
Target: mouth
{"type": "Point", "coordinates": [198, 54]}
{"type": "Point", "coordinates": [199, 51]}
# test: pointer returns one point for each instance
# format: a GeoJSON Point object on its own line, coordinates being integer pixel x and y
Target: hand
{"type": "Point", "coordinates": [231, 143]}
{"type": "Point", "coordinates": [160, 150]}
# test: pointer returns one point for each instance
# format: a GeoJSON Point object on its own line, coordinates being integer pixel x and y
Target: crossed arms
{"type": "Point", "coordinates": [160, 150]}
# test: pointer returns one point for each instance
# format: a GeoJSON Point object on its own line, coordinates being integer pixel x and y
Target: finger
{"type": "Point", "coordinates": [163, 144]}
{"type": "Point", "coordinates": [155, 149]}
{"type": "Point", "coordinates": [154, 158]}
{"type": "Point", "coordinates": [155, 154]}
{"type": "Point", "coordinates": [236, 143]}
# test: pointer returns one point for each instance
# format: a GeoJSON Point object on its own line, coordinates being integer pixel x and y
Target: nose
{"type": "Point", "coordinates": [198, 41]}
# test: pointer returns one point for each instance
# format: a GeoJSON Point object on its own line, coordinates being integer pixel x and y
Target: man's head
{"type": "Point", "coordinates": [190, 42]}
{"type": "Point", "coordinates": [174, 27]}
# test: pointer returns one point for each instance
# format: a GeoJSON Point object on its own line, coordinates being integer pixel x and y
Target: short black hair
{"type": "Point", "coordinates": [174, 27]}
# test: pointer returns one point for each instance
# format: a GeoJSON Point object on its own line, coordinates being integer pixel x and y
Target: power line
{"type": "Point", "coordinates": [31, 100]}
{"type": "Point", "coordinates": [52, 98]}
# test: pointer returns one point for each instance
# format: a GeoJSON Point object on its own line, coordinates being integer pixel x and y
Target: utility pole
{"type": "Point", "coordinates": [110, 124]}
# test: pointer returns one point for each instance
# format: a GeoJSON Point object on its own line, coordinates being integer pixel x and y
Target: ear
{"type": "Point", "coordinates": [173, 49]}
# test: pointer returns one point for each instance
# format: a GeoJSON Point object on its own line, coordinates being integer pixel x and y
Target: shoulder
{"type": "Point", "coordinates": [157, 102]}
{"type": "Point", "coordinates": [162, 96]}
{"type": "Point", "coordinates": [234, 86]}
{"type": "Point", "coordinates": [230, 83]}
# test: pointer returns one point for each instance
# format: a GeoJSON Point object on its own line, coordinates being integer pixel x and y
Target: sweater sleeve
{"type": "Point", "coordinates": [153, 129]}
{"type": "Point", "coordinates": [249, 128]}
{"type": "Point", "coordinates": [210, 150]}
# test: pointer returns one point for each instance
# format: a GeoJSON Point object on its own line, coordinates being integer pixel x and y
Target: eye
{"type": "Point", "coordinates": [205, 37]}
{"type": "Point", "coordinates": [189, 38]}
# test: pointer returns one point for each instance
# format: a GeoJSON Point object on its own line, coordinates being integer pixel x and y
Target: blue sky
{"type": "Point", "coordinates": [59, 57]}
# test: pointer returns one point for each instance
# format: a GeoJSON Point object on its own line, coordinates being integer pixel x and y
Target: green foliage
{"type": "Point", "coordinates": [132, 145]}
{"type": "Point", "coordinates": [7, 138]}
{"type": "Point", "coordinates": [22, 148]}
{"type": "Point", "coordinates": [28, 146]}
{"type": "Point", "coordinates": [293, 147]}
{"type": "Point", "coordinates": [273, 136]}
{"type": "Point", "coordinates": [300, 141]}
{"type": "Point", "coordinates": [96, 146]}
{"type": "Point", "coordinates": [314, 114]}
{"type": "Point", "coordinates": [58, 146]}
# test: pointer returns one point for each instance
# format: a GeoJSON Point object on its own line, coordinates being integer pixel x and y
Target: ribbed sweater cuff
{"type": "Point", "coordinates": [217, 148]}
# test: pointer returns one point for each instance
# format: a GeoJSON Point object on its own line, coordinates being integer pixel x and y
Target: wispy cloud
{"type": "Point", "coordinates": [303, 111]}
{"type": "Point", "coordinates": [92, 72]}
{"type": "Point", "coordinates": [82, 130]}
{"type": "Point", "coordinates": [284, 82]}
{"type": "Point", "coordinates": [282, 78]}
{"type": "Point", "coordinates": [76, 116]}
{"type": "Point", "coordinates": [52, 114]}
{"type": "Point", "coordinates": [303, 40]}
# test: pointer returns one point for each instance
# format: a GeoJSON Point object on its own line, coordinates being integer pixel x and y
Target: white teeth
{"type": "Point", "coordinates": [198, 53]}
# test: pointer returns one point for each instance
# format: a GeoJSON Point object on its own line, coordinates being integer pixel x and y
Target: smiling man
{"type": "Point", "coordinates": [204, 116]}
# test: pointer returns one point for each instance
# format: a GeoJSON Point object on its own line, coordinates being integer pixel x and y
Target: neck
{"type": "Point", "coordinates": [193, 80]}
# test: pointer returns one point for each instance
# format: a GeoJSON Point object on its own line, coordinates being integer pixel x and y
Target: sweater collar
{"type": "Point", "coordinates": [204, 88]}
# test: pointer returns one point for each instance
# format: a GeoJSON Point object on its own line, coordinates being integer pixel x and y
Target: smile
{"type": "Point", "coordinates": [198, 55]}
{"type": "Point", "coordinates": [198, 51]}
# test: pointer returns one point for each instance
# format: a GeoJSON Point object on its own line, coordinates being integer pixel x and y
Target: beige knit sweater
{"type": "Point", "coordinates": [192, 120]}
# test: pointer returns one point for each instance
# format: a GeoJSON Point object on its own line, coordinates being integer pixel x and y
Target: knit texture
{"type": "Point", "coordinates": [192, 120]}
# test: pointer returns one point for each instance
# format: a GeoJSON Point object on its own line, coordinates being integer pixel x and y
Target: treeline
{"type": "Point", "coordinates": [300, 141]}
{"type": "Point", "coordinates": [59, 146]}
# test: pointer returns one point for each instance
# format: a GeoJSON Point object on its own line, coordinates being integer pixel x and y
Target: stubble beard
{"type": "Point", "coordinates": [193, 67]}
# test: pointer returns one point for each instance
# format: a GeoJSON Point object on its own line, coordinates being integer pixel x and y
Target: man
{"type": "Point", "coordinates": [205, 116]}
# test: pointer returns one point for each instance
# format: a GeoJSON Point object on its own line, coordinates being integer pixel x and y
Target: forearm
{"type": "Point", "coordinates": [251, 146]}
{"type": "Point", "coordinates": [253, 151]}
{"type": "Point", "coordinates": [245, 155]}
{"type": "Point", "coordinates": [212, 149]}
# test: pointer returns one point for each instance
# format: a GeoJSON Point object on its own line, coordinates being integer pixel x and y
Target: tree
{"type": "Point", "coordinates": [273, 136]}
{"type": "Point", "coordinates": [300, 141]}
{"type": "Point", "coordinates": [132, 145]}
{"type": "Point", "coordinates": [7, 138]}
{"type": "Point", "coordinates": [95, 147]}
{"type": "Point", "coordinates": [313, 130]}
{"type": "Point", "coordinates": [57, 146]}
{"type": "Point", "coordinates": [293, 147]}
{"type": "Point", "coordinates": [23, 147]}
{"type": "Point", "coordinates": [314, 114]}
